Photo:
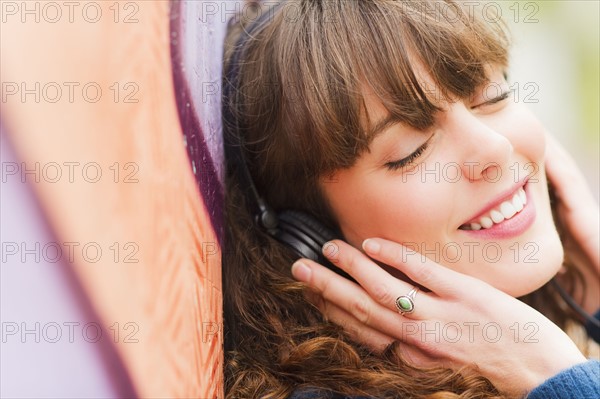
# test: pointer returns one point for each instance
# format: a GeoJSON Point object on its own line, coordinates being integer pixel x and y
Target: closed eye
{"type": "Point", "coordinates": [503, 96]}
{"type": "Point", "coordinates": [395, 165]}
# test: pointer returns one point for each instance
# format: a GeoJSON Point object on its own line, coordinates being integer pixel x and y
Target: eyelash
{"type": "Point", "coordinates": [498, 99]}
{"type": "Point", "coordinates": [406, 161]}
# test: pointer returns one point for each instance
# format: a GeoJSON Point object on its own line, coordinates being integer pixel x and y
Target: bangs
{"type": "Point", "coordinates": [305, 74]}
{"type": "Point", "coordinates": [441, 39]}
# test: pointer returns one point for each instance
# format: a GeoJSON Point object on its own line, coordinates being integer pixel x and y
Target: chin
{"type": "Point", "coordinates": [535, 269]}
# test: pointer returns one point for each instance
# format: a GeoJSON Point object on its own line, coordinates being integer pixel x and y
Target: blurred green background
{"type": "Point", "coordinates": [555, 68]}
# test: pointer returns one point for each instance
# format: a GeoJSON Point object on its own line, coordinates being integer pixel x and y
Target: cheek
{"type": "Point", "coordinates": [384, 206]}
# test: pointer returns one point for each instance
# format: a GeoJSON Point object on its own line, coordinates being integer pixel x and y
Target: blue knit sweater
{"type": "Point", "coordinates": [579, 382]}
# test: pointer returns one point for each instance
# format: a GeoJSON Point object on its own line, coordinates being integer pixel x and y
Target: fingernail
{"type": "Point", "coordinates": [325, 246]}
{"type": "Point", "coordinates": [371, 246]}
{"type": "Point", "coordinates": [301, 272]}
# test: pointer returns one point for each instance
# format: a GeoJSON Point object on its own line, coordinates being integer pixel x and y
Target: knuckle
{"type": "Point", "coordinates": [353, 263]}
{"type": "Point", "coordinates": [398, 255]}
{"type": "Point", "coordinates": [361, 310]}
{"type": "Point", "coordinates": [423, 274]}
{"type": "Point", "coordinates": [382, 294]}
{"type": "Point", "coordinates": [320, 285]}
{"type": "Point", "coordinates": [325, 286]}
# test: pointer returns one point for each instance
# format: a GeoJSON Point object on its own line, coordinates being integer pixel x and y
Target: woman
{"type": "Point", "coordinates": [392, 121]}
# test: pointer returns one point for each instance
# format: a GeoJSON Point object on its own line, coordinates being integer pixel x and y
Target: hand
{"type": "Point", "coordinates": [462, 321]}
{"type": "Point", "coordinates": [579, 214]}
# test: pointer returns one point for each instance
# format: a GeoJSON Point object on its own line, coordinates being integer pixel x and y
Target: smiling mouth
{"type": "Point", "coordinates": [504, 211]}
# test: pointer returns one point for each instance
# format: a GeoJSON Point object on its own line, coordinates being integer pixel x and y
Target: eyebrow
{"type": "Point", "coordinates": [381, 126]}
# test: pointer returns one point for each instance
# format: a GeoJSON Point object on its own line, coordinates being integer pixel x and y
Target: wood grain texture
{"type": "Point", "coordinates": [172, 294]}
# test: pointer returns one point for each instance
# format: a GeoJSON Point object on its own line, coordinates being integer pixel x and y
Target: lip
{"type": "Point", "coordinates": [512, 227]}
{"type": "Point", "coordinates": [500, 198]}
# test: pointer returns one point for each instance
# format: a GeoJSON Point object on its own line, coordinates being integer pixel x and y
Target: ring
{"type": "Point", "coordinates": [406, 303]}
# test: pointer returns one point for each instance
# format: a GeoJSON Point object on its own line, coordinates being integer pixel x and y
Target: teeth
{"type": "Point", "coordinates": [486, 222]}
{"type": "Point", "coordinates": [517, 203]}
{"type": "Point", "coordinates": [505, 211]}
{"type": "Point", "coordinates": [497, 217]}
{"type": "Point", "coordinates": [523, 196]}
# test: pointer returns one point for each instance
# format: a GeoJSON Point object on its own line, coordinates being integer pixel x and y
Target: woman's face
{"type": "Point", "coordinates": [455, 201]}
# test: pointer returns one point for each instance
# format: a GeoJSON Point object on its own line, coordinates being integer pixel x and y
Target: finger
{"type": "Point", "coordinates": [563, 172]}
{"type": "Point", "coordinates": [412, 355]}
{"type": "Point", "coordinates": [555, 151]}
{"type": "Point", "coordinates": [373, 339]}
{"type": "Point", "coordinates": [380, 285]}
{"type": "Point", "coordinates": [578, 209]}
{"type": "Point", "coordinates": [420, 269]}
{"type": "Point", "coordinates": [358, 331]}
{"type": "Point", "coordinates": [354, 300]}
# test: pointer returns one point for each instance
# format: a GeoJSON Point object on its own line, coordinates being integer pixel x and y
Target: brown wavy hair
{"type": "Point", "coordinates": [301, 113]}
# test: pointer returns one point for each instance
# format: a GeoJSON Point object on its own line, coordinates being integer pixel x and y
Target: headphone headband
{"type": "Point", "coordinates": [234, 142]}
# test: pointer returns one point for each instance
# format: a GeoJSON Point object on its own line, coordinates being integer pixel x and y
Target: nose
{"type": "Point", "coordinates": [484, 152]}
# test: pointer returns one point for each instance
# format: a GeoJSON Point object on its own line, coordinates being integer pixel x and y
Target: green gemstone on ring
{"type": "Point", "coordinates": [404, 304]}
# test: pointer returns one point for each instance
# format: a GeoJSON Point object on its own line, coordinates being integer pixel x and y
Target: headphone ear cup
{"type": "Point", "coordinates": [309, 226]}
{"type": "Point", "coordinates": [306, 236]}
{"type": "Point", "coordinates": [294, 239]}
{"type": "Point", "coordinates": [304, 228]}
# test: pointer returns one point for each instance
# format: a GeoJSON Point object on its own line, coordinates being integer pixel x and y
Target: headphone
{"type": "Point", "coordinates": [297, 230]}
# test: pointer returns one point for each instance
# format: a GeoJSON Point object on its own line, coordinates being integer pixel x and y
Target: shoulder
{"type": "Point", "coordinates": [578, 382]}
